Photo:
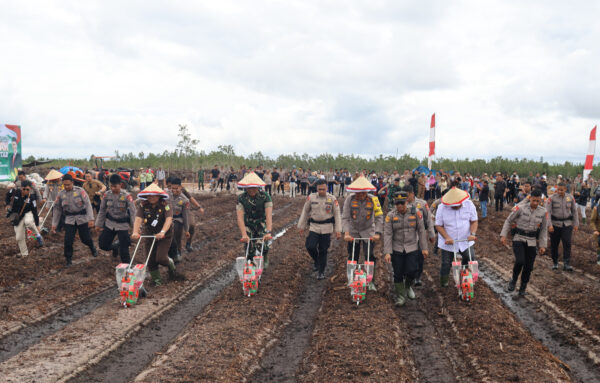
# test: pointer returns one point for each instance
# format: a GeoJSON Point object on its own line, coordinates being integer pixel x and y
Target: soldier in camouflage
{"type": "Point", "coordinates": [255, 215]}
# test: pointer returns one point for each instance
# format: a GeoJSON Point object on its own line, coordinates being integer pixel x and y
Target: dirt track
{"type": "Point", "coordinates": [295, 328]}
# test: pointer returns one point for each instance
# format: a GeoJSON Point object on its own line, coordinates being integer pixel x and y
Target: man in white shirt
{"type": "Point", "coordinates": [455, 220]}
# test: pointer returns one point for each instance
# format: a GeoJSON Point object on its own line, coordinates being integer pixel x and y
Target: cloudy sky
{"type": "Point", "coordinates": [510, 78]}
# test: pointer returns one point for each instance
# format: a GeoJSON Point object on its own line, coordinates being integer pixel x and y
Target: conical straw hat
{"type": "Point", "coordinates": [153, 189]}
{"type": "Point", "coordinates": [53, 175]}
{"type": "Point", "coordinates": [455, 197]}
{"type": "Point", "coordinates": [251, 180]}
{"type": "Point", "coordinates": [360, 185]}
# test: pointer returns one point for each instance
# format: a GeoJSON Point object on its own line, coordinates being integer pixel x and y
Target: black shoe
{"type": "Point", "coordinates": [567, 267]}
{"type": "Point", "coordinates": [115, 249]}
{"type": "Point", "coordinates": [69, 262]}
{"type": "Point", "coordinates": [188, 247]}
{"type": "Point", "coordinates": [315, 268]}
{"type": "Point", "coordinates": [511, 285]}
{"type": "Point", "coordinates": [94, 252]}
{"type": "Point", "coordinates": [555, 266]}
{"type": "Point", "coordinates": [320, 276]}
{"type": "Point", "coordinates": [177, 257]}
{"type": "Point", "coordinates": [418, 282]}
{"type": "Point", "coordinates": [522, 292]}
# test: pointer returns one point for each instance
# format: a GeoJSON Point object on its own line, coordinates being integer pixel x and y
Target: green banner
{"type": "Point", "coordinates": [10, 152]}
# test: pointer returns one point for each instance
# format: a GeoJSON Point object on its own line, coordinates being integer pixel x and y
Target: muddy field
{"type": "Point", "coordinates": [65, 324]}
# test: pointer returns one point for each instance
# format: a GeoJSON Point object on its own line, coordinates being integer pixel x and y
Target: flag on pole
{"type": "Point", "coordinates": [589, 159]}
{"type": "Point", "coordinates": [431, 141]}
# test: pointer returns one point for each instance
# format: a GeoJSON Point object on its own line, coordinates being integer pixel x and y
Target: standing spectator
{"type": "Point", "coordinates": [94, 190]}
{"type": "Point", "coordinates": [293, 180]}
{"type": "Point", "coordinates": [221, 180]}
{"type": "Point", "coordinates": [232, 180]}
{"type": "Point", "coordinates": [214, 173]}
{"type": "Point", "coordinates": [500, 193]}
{"type": "Point", "coordinates": [268, 181]}
{"type": "Point", "coordinates": [275, 179]}
{"type": "Point", "coordinates": [160, 176]}
{"type": "Point", "coordinates": [25, 205]}
{"type": "Point", "coordinates": [312, 180]}
{"type": "Point", "coordinates": [484, 195]}
{"type": "Point", "coordinates": [303, 182]}
{"type": "Point", "coordinates": [200, 179]}
{"type": "Point", "coordinates": [582, 199]}
{"type": "Point", "coordinates": [421, 186]}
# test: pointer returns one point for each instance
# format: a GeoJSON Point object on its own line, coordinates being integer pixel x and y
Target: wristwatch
{"type": "Point", "coordinates": [474, 234]}
{"type": "Point", "coordinates": [162, 231]}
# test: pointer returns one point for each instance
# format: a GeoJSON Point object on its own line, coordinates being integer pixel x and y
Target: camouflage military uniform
{"type": "Point", "coordinates": [255, 218]}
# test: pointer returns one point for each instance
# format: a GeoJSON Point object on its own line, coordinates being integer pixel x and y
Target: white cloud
{"type": "Point", "coordinates": [504, 78]}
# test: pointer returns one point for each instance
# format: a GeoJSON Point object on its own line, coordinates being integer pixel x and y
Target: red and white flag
{"type": "Point", "coordinates": [431, 141]}
{"type": "Point", "coordinates": [589, 159]}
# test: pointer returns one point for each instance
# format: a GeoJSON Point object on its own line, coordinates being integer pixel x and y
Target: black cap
{"type": "Point", "coordinates": [400, 197]}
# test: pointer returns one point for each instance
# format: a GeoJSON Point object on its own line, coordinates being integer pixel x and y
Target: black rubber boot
{"type": "Point", "coordinates": [173, 274]}
{"type": "Point", "coordinates": [188, 247]}
{"type": "Point", "coordinates": [522, 291]}
{"type": "Point", "coordinates": [511, 285]}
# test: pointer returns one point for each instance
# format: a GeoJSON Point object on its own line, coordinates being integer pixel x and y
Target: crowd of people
{"type": "Point", "coordinates": [409, 213]}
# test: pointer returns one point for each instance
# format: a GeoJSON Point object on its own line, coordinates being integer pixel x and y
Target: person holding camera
{"type": "Point", "coordinates": [23, 215]}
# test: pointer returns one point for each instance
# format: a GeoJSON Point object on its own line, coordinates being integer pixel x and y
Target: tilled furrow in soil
{"type": "Point", "coordinates": [365, 343]}
{"type": "Point", "coordinates": [552, 333]}
{"type": "Point", "coordinates": [281, 362]}
{"type": "Point", "coordinates": [486, 342]}
{"type": "Point", "coordinates": [235, 331]}
{"type": "Point", "coordinates": [44, 298]}
{"type": "Point", "coordinates": [126, 361]}
{"type": "Point", "coordinates": [75, 348]}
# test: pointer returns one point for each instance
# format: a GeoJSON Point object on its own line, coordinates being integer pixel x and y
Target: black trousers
{"type": "Point", "coordinates": [192, 231]}
{"type": "Point", "coordinates": [563, 234]}
{"type": "Point", "coordinates": [524, 260]}
{"type": "Point", "coordinates": [317, 246]}
{"type": "Point", "coordinates": [220, 183]}
{"type": "Point", "coordinates": [176, 242]}
{"type": "Point", "coordinates": [268, 189]}
{"type": "Point", "coordinates": [420, 263]}
{"type": "Point", "coordinates": [330, 187]}
{"type": "Point", "coordinates": [404, 265]}
{"type": "Point", "coordinates": [303, 187]}
{"type": "Point", "coordinates": [357, 251]}
{"type": "Point", "coordinates": [105, 242]}
{"type": "Point", "coordinates": [84, 235]}
{"type": "Point", "coordinates": [499, 202]}
{"type": "Point", "coordinates": [281, 187]}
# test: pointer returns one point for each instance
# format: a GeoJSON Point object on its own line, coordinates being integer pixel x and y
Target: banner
{"type": "Point", "coordinates": [10, 152]}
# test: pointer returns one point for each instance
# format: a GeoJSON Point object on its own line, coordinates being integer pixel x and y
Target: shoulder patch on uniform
{"type": "Point", "coordinates": [516, 208]}
{"type": "Point", "coordinates": [387, 218]}
{"type": "Point", "coordinates": [420, 214]}
{"type": "Point", "coordinates": [336, 203]}
{"type": "Point", "coordinates": [167, 208]}
{"type": "Point", "coordinates": [129, 198]}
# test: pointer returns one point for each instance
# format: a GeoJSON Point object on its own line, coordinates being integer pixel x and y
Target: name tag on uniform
{"type": "Point", "coordinates": [154, 223]}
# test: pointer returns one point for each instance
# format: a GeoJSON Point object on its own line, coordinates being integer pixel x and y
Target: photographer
{"type": "Point", "coordinates": [23, 215]}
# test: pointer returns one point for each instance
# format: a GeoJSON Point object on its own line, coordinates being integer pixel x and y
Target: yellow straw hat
{"type": "Point", "coordinates": [53, 175]}
{"type": "Point", "coordinates": [251, 180]}
{"type": "Point", "coordinates": [455, 197]}
{"type": "Point", "coordinates": [360, 185]}
{"type": "Point", "coordinates": [153, 189]}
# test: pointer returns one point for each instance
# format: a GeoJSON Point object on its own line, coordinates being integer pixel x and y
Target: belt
{"type": "Point", "coordinates": [328, 220]}
{"type": "Point", "coordinates": [177, 215]}
{"type": "Point", "coordinates": [117, 220]}
{"type": "Point", "coordinates": [81, 212]}
{"type": "Point", "coordinates": [526, 233]}
{"type": "Point", "coordinates": [555, 218]}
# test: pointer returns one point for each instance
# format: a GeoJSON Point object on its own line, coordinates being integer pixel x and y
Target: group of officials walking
{"type": "Point", "coordinates": [406, 231]}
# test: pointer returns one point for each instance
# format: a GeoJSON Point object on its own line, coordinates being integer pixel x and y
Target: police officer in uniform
{"type": "Point", "coordinates": [255, 215]}
{"type": "Point", "coordinates": [115, 216]}
{"type": "Point", "coordinates": [75, 204]}
{"type": "Point", "coordinates": [362, 217]}
{"type": "Point", "coordinates": [403, 236]}
{"type": "Point", "coordinates": [532, 225]}
{"type": "Point", "coordinates": [321, 214]}
{"type": "Point", "coordinates": [180, 205]}
{"type": "Point", "coordinates": [420, 205]}
{"type": "Point", "coordinates": [155, 217]}
{"type": "Point", "coordinates": [564, 219]}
